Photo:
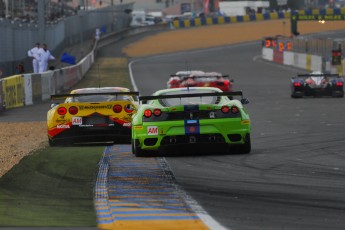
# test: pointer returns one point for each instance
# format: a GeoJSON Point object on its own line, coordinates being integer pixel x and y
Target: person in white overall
{"type": "Point", "coordinates": [33, 53]}
{"type": "Point", "coordinates": [44, 56]}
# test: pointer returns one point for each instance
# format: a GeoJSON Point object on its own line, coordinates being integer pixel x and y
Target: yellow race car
{"type": "Point", "coordinates": [92, 115]}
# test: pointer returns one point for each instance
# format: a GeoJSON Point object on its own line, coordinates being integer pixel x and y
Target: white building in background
{"type": "Point", "coordinates": [240, 8]}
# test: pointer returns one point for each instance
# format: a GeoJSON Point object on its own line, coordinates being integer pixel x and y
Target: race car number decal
{"type": "Point", "coordinates": [77, 120]}
{"type": "Point", "coordinates": [152, 130]}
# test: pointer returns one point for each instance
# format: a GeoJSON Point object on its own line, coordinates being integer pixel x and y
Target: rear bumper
{"type": "Point", "coordinates": [318, 92]}
{"type": "Point", "coordinates": [94, 134]}
{"type": "Point", "coordinates": [175, 134]}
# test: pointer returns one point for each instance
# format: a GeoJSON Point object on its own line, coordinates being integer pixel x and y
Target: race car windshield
{"type": "Point", "coordinates": [190, 100]}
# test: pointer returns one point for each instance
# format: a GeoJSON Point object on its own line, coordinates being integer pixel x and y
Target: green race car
{"type": "Point", "coordinates": [190, 117]}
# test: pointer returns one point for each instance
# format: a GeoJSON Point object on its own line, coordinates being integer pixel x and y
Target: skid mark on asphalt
{"type": "Point", "coordinates": [136, 193]}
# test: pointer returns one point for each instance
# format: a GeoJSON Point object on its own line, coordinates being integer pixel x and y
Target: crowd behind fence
{"type": "Point", "coordinates": [18, 37]}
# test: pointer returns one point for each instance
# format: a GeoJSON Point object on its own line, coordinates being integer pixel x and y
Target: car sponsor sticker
{"type": "Point", "coordinates": [62, 126]}
{"type": "Point", "coordinates": [77, 120]}
{"type": "Point", "coordinates": [152, 130]}
{"type": "Point", "coordinates": [94, 107]}
{"type": "Point", "coordinates": [61, 120]}
{"type": "Point", "coordinates": [127, 124]}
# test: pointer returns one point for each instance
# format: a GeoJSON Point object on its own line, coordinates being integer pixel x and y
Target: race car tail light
{"type": "Point", "coordinates": [73, 110]}
{"type": "Point", "coordinates": [62, 111]}
{"type": "Point", "coordinates": [226, 82]}
{"type": "Point", "coordinates": [339, 83]}
{"type": "Point", "coordinates": [234, 109]}
{"type": "Point", "coordinates": [157, 112]}
{"type": "Point", "coordinates": [225, 109]}
{"type": "Point", "coordinates": [129, 108]}
{"type": "Point", "coordinates": [297, 84]}
{"type": "Point", "coordinates": [117, 108]}
{"type": "Point", "coordinates": [147, 113]}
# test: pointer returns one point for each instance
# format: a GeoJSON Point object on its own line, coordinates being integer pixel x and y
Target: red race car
{"type": "Point", "coordinates": [196, 78]}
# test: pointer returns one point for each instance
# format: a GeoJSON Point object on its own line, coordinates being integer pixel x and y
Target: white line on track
{"type": "Point", "coordinates": [202, 214]}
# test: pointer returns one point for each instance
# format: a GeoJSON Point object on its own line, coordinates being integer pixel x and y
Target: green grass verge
{"type": "Point", "coordinates": [107, 72]}
{"type": "Point", "coordinates": [53, 187]}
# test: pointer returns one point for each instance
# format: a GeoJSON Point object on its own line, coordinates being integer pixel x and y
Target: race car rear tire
{"type": "Point", "coordinates": [137, 151]}
{"type": "Point", "coordinates": [294, 96]}
{"type": "Point", "coordinates": [52, 143]}
{"type": "Point", "coordinates": [133, 149]}
{"type": "Point", "coordinates": [246, 147]}
{"type": "Point", "coordinates": [337, 94]}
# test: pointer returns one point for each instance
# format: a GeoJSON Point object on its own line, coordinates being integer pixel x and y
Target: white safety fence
{"type": "Point", "coordinates": [304, 61]}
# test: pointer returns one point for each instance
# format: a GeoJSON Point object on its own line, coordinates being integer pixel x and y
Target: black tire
{"type": "Point", "coordinates": [337, 94]}
{"type": "Point", "coordinates": [52, 143]}
{"type": "Point", "coordinates": [294, 96]}
{"type": "Point", "coordinates": [133, 148]}
{"type": "Point", "coordinates": [246, 147]}
{"type": "Point", "coordinates": [137, 151]}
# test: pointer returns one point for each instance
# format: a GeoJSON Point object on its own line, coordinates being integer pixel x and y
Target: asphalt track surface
{"type": "Point", "coordinates": [294, 176]}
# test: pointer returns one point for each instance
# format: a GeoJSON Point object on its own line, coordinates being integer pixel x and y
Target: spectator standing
{"type": "Point", "coordinates": [44, 57]}
{"type": "Point", "coordinates": [33, 53]}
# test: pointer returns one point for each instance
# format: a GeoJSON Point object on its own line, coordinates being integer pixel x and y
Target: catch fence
{"type": "Point", "coordinates": [17, 37]}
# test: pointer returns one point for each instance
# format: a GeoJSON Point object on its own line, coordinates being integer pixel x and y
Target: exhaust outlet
{"type": "Point", "coordinates": [212, 138]}
{"type": "Point", "coordinates": [192, 139]}
{"type": "Point", "coordinates": [172, 140]}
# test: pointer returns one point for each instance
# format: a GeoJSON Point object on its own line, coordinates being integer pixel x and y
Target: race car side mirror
{"type": "Point", "coordinates": [244, 101]}
{"type": "Point", "coordinates": [232, 80]}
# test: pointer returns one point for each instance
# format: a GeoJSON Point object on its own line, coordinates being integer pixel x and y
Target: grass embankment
{"type": "Point", "coordinates": [53, 187]}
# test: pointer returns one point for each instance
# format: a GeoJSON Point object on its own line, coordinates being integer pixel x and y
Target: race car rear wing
{"type": "Point", "coordinates": [317, 75]}
{"type": "Point", "coordinates": [198, 76]}
{"type": "Point", "coordinates": [63, 96]}
{"type": "Point", "coordinates": [229, 94]}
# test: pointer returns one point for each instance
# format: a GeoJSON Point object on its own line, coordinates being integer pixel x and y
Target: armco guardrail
{"type": "Point", "coordinates": [202, 21]}
{"type": "Point", "coordinates": [28, 89]}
